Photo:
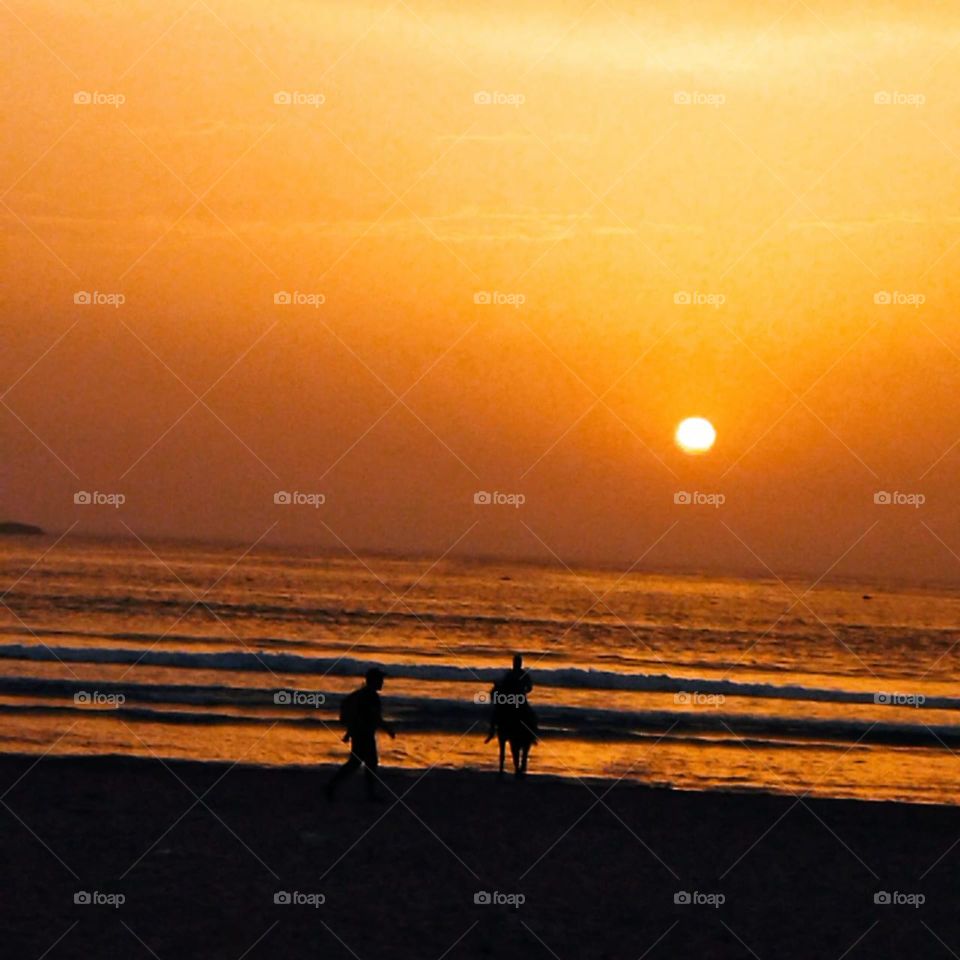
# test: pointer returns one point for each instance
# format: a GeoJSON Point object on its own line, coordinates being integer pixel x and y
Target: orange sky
{"type": "Point", "coordinates": [789, 188]}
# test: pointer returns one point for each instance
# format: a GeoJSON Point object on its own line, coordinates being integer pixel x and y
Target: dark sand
{"type": "Point", "coordinates": [399, 880]}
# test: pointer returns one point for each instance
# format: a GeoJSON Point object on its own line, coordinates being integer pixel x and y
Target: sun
{"type": "Point", "coordinates": [695, 435]}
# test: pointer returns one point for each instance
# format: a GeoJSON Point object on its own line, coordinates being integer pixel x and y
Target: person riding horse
{"type": "Point", "coordinates": [511, 717]}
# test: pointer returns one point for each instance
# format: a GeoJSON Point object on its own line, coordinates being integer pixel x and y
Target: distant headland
{"type": "Point", "coordinates": [10, 528]}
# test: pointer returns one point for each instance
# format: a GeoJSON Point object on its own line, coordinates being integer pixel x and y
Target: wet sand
{"type": "Point", "coordinates": [200, 852]}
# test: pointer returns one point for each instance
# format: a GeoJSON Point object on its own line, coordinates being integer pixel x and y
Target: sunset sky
{"type": "Point", "coordinates": [592, 166]}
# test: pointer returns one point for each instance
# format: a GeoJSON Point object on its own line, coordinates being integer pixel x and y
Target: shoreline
{"type": "Point", "coordinates": [201, 850]}
{"type": "Point", "coordinates": [403, 773]}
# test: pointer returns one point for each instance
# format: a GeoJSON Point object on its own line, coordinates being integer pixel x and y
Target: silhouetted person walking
{"type": "Point", "coordinates": [361, 714]}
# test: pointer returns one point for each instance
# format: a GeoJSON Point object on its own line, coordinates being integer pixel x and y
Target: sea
{"type": "Point", "coordinates": [227, 653]}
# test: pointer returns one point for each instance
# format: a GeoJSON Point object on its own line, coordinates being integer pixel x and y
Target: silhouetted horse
{"type": "Point", "coordinates": [516, 725]}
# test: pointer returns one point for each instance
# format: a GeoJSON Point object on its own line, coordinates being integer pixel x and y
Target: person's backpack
{"type": "Point", "coordinates": [349, 706]}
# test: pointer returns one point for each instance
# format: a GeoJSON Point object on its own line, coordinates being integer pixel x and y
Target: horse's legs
{"type": "Point", "coordinates": [515, 750]}
{"type": "Point", "coordinates": [503, 749]}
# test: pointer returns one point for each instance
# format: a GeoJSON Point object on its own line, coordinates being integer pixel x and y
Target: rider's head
{"type": "Point", "coordinates": [517, 661]}
{"type": "Point", "coordinates": [375, 678]}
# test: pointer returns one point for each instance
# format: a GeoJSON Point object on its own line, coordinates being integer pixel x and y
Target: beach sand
{"type": "Point", "coordinates": [200, 850]}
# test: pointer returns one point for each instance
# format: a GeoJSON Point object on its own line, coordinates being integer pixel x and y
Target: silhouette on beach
{"type": "Point", "coordinates": [360, 713]}
{"type": "Point", "coordinates": [512, 719]}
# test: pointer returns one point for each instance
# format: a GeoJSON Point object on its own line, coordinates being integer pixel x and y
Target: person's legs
{"type": "Point", "coordinates": [366, 751]}
{"type": "Point", "coordinates": [352, 763]}
{"type": "Point", "coordinates": [370, 777]}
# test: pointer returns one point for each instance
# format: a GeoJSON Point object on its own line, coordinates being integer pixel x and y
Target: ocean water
{"type": "Point", "coordinates": [211, 652]}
